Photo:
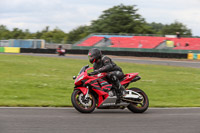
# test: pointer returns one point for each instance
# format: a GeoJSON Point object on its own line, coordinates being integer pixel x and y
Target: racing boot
{"type": "Point", "coordinates": [120, 92]}
{"type": "Point", "coordinates": [120, 88]}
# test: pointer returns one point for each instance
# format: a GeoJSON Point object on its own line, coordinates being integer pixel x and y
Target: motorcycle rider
{"type": "Point", "coordinates": [61, 50]}
{"type": "Point", "coordinates": [102, 63]}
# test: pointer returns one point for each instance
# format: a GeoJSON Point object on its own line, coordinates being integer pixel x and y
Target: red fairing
{"type": "Point", "coordinates": [83, 89]}
{"type": "Point", "coordinates": [101, 96]}
{"type": "Point", "coordinates": [128, 77]}
{"type": "Point", "coordinates": [84, 75]}
{"type": "Point", "coordinates": [77, 81]}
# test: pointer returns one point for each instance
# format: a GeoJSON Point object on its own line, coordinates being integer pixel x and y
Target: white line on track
{"type": "Point", "coordinates": [177, 108]}
{"type": "Point", "coordinates": [158, 60]}
{"type": "Point", "coordinates": [36, 108]}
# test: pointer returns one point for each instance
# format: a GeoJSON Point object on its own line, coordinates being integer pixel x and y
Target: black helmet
{"type": "Point", "coordinates": [94, 54]}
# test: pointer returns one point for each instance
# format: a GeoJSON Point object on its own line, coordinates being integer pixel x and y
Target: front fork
{"type": "Point", "coordinates": [87, 93]}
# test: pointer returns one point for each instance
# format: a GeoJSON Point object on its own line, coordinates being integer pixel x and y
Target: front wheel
{"type": "Point", "coordinates": [142, 106]}
{"type": "Point", "coordinates": [82, 104]}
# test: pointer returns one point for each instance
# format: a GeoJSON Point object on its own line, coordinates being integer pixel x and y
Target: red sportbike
{"type": "Point", "coordinates": [94, 91]}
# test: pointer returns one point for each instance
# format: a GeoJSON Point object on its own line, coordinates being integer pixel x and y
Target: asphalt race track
{"type": "Point", "coordinates": [68, 120]}
{"type": "Point", "coordinates": [141, 60]}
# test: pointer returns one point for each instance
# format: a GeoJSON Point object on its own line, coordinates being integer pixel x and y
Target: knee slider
{"type": "Point", "coordinates": [113, 78]}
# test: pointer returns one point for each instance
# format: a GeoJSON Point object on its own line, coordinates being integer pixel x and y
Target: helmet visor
{"type": "Point", "coordinates": [91, 59]}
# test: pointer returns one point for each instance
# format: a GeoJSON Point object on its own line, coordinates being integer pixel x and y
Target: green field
{"type": "Point", "coordinates": [47, 81]}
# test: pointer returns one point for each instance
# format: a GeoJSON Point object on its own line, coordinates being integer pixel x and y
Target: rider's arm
{"type": "Point", "coordinates": [107, 65]}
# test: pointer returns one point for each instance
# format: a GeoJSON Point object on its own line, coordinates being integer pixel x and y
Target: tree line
{"type": "Point", "coordinates": [118, 19]}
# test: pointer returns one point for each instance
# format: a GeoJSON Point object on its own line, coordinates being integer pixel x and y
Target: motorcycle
{"type": "Point", "coordinates": [94, 91]}
{"type": "Point", "coordinates": [60, 51]}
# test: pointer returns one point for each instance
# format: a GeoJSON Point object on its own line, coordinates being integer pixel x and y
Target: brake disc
{"type": "Point", "coordinates": [83, 101]}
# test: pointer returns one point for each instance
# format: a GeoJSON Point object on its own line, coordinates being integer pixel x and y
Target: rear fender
{"type": "Point", "coordinates": [82, 89]}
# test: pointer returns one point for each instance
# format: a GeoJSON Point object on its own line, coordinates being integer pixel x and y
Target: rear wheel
{"type": "Point", "coordinates": [140, 106]}
{"type": "Point", "coordinates": [82, 104]}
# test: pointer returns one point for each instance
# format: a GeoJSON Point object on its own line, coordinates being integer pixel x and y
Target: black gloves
{"type": "Point", "coordinates": [94, 73]}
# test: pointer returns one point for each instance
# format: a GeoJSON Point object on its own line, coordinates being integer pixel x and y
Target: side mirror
{"type": "Point", "coordinates": [74, 77]}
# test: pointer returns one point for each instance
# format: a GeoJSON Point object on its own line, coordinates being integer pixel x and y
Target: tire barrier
{"type": "Point", "coordinates": [1, 49]}
{"type": "Point", "coordinates": [193, 56]}
{"type": "Point", "coordinates": [133, 53]}
{"type": "Point", "coordinates": [37, 50]}
{"type": "Point", "coordinates": [106, 52]}
{"type": "Point", "coordinates": [9, 50]}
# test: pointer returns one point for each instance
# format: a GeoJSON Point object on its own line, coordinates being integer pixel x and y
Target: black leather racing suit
{"type": "Point", "coordinates": [105, 64]}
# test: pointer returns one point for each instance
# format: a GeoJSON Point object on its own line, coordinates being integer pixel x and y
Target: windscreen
{"type": "Point", "coordinates": [83, 69]}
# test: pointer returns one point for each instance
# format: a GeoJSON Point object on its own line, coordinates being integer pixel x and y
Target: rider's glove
{"type": "Point", "coordinates": [95, 72]}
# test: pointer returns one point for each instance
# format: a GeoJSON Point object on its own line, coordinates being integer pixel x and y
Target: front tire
{"type": "Point", "coordinates": [139, 107]}
{"type": "Point", "coordinates": [81, 104]}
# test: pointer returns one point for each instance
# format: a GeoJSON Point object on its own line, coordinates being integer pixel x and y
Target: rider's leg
{"type": "Point", "coordinates": [113, 78]}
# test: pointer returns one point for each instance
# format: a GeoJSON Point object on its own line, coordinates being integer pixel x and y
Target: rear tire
{"type": "Point", "coordinates": [143, 106]}
{"type": "Point", "coordinates": [82, 105]}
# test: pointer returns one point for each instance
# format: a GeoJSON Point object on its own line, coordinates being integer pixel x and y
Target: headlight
{"type": "Point", "coordinates": [80, 78]}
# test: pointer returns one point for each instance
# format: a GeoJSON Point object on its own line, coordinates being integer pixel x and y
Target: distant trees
{"type": "Point", "coordinates": [176, 27]}
{"type": "Point", "coordinates": [78, 33]}
{"type": "Point", "coordinates": [118, 19]}
{"type": "Point", "coordinates": [54, 36]}
{"type": "Point", "coordinates": [121, 19]}
{"type": "Point", "coordinates": [4, 32]}
{"type": "Point", "coordinates": [170, 29]}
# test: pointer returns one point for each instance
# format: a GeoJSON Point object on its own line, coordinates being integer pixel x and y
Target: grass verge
{"type": "Point", "coordinates": [47, 81]}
